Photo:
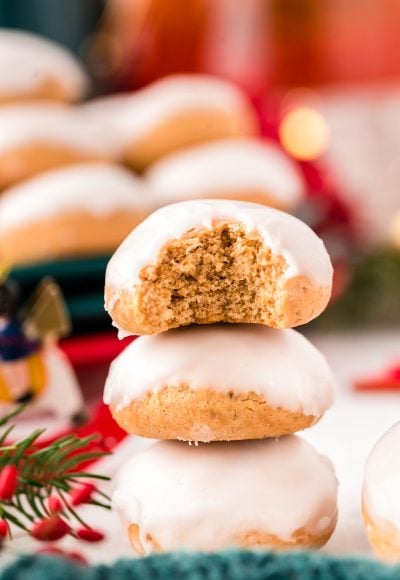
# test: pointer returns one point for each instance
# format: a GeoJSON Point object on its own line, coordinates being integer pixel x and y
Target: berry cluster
{"type": "Point", "coordinates": [40, 487]}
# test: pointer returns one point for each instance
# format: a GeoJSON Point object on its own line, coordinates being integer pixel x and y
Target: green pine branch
{"type": "Point", "coordinates": [44, 472]}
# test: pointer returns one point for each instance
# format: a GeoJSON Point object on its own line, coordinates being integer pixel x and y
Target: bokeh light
{"type": "Point", "coordinates": [304, 133]}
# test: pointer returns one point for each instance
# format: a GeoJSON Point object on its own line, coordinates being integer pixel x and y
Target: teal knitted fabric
{"type": "Point", "coordinates": [232, 565]}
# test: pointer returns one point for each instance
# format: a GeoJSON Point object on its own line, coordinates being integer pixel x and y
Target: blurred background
{"type": "Point", "coordinates": [324, 81]}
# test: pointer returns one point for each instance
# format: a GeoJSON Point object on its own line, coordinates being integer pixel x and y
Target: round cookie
{"type": "Point", "coordinates": [217, 261]}
{"type": "Point", "coordinates": [380, 496]}
{"type": "Point", "coordinates": [37, 137]}
{"type": "Point", "coordinates": [219, 383]}
{"type": "Point", "coordinates": [85, 209]}
{"type": "Point", "coordinates": [172, 113]}
{"type": "Point", "coordinates": [32, 67]}
{"type": "Point", "coordinates": [242, 169]}
{"type": "Point", "coordinates": [278, 494]}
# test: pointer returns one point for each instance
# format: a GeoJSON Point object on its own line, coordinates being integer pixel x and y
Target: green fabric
{"type": "Point", "coordinates": [233, 565]}
{"type": "Point", "coordinates": [92, 268]}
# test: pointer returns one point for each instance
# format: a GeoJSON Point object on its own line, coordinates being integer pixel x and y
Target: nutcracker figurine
{"type": "Point", "coordinates": [32, 368]}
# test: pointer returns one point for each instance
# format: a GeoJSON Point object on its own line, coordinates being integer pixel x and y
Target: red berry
{"type": "Point", "coordinates": [50, 529]}
{"type": "Point", "coordinates": [8, 482]}
{"type": "Point", "coordinates": [81, 494]}
{"type": "Point", "coordinates": [89, 535]}
{"type": "Point", "coordinates": [54, 505]}
{"type": "Point", "coordinates": [4, 529]}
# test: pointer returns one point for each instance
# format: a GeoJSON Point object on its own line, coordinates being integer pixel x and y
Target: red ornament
{"type": "Point", "coordinates": [8, 482]}
{"type": "Point", "coordinates": [50, 529]}
{"type": "Point", "coordinates": [388, 380]}
{"type": "Point", "coordinates": [4, 529]}
{"type": "Point", "coordinates": [395, 373]}
{"type": "Point", "coordinates": [54, 505]}
{"type": "Point", "coordinates": [82, 494]}
{"type": "Point", "coordinates": [89, 535]}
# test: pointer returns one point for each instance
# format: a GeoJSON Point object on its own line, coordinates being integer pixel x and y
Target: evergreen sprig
{"type": "Point", "coordinates": [51, 470]}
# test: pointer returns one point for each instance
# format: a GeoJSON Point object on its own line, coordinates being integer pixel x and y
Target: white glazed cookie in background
{"type": "Point", "coordinates": [81, 210]}
{"type": "Point", "coordinates": [32, 67]}
{"type": "Point", "coordinates": [169, 114]}
{"type": "Point", "coordinates": [42, 136]}
{"type": "Point", "coordinates": [273, 493]}
{"type": "Point", "coordinates": [252, 170]}
{"type": "Point", "coordinates": [217, 261]}
{"type": "Point", "coordinates": [219, 383]}
{"type": "Point", "coordinates": [380, 496]}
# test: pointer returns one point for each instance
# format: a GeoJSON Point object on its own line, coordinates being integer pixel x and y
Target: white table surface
{"type": "Point", "coordinates": [346, 434]}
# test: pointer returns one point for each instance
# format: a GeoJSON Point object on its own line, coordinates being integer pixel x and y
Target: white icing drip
{"type": "Point", "coordinates": [381, 491]}
{"type": "Point", "coordinates": [281, 366]}
{"type": "Point", "coordinates": [227, 167]}
{"type": "Point", "coordinates": [26, 60]}
{"type": "Point", "coordinates": [204, 497]}
{"type": "Point", "coordinates": [123, 119]}
{"type": "Point", "coordinates": [284, 234]}
{"type": "Point", "coordinates": [47, 123]}
{"type": "Point", "coordinates": [97, 188]}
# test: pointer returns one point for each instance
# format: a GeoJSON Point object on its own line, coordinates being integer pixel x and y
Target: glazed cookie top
{"type": "Point", "coordinates": [228, 166]}
{"type": "Point", "coordinates": [134, 115]}
{"type": "Point", "coordinates": [27, 60]}
{"type": "Point", "coordinates": [46, 123]}
{"type": "Point", "coordinates": [284, 234]}
{"type": "Point", "coordinates": [96, 188]}
{"type": "Point", "coordinates": [381, 489]}
{"type": "Point", "coordinates": [281, 366]}
{"type": "Point", "coordinates": [202, 497]}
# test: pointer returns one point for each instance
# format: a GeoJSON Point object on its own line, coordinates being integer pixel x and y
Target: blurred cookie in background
{"type": "Point", "coordinates": [170, 114]}
{"type": "Point", "coordinates": [78, 211]}
{"type": "Point", "coordinates": [42, 136]}
{"type": "Point", "coordinates": [32, 67]}
{"type": "Point", "coordinates": [240, 169]}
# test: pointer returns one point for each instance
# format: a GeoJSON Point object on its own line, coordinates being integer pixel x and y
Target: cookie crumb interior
{"type": "Point", "coordinates": [223, 274]}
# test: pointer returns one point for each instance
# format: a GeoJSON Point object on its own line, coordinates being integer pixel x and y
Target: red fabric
{"type": "Point", "coordinates": [93, 348]}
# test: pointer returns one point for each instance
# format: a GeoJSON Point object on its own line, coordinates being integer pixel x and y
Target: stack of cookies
{"type": "Point", "coordinates": [215, 287]}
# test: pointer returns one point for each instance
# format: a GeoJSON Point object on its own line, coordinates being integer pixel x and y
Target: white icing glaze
{"type": "Point", "coordinates": [284, 234]}
{"type": "Point", "coordinates": [228, 166]}
{"type": "Point", "coordinates": [123, 119]}
{"type": "Point", "coordinates": [204, 497]}
{"type": "Point", "coordinates": [281, 366]}
{"type": "Point", "coordinates": [381, 490]}
{"type": "Point", "coordinates": [96, 188]}
{"type": "Point", "coordinates": [47, 123]}
{"type": "Point", "coordinates": [26, 60]}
